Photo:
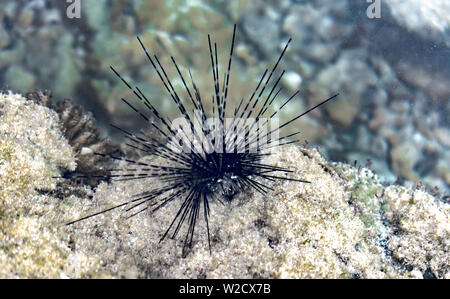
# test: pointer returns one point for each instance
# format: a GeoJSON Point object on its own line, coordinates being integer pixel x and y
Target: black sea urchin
{"type": "Point", "coordinates": [206, 156]}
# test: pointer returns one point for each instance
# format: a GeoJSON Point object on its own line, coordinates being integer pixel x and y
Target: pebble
{"type": "Point", "coordinates": [404, 157]}
{"type": "Point", "coordinates": [20, 79]}
{"type": "Point", "coordinates": [292, 80]}
{"type": "Point", "coordinates": [344, 110]}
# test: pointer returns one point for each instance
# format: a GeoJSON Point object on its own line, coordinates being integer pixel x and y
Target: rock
{"type": "Point", "coordinates": [32, 148]}
{"type": "Point", "coordinates": [292, 80]}
{"type": "Point", "coordinates": [5, 39]}
{"type": "Point", "coordinates": [309, 27]}
{"type": "Point", "coordinates": [403, 158]}
{"type": "Point", "coordinates": [422, 241]}
{"type": "Point", "coordinates": [19, 78]}
{"type": "Point", "coordinates": [371, 144]}
{"type": "Point", "coordinates": [443, 136]}
{"type": "Point", "coordinates": [26, 18]}
{"type": "Point", "coordinates": [429, 19]}
{"type": "Point", "coordinates": [350, 76]}
{"type": "Point", "coordinates": [343, 111]}
{"type": "Point", "coordinates": [260, 26]}
{"type": "Point", "coordinates": [11, 57]}
{"type": "Point", "coordinates": [299, 230]}
{"type": "Point", "coordinates": [443, 168]}
{"type": "Point", "coordinates": [427, 77]}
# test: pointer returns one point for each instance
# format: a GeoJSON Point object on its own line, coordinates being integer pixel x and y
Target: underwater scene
{"type": "Point", "coordinates": [357, 184]}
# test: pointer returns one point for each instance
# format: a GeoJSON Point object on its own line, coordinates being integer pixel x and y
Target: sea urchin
{"type": "Point", "coordinates": [207, 156]}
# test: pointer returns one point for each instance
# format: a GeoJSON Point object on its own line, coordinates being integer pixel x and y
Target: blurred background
{"type": "Point", "coordinates": [388, 59]}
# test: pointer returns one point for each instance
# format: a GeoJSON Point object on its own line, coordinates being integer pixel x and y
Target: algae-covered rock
{"type": "Point", "coordinates": [344, 224]}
